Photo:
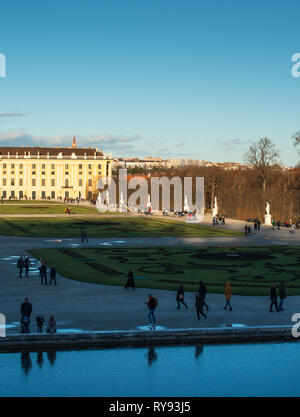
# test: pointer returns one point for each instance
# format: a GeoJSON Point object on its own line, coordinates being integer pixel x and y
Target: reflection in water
{"type": "Point", "coordinates": [152, 356]}
{"type": "Point", "coordinates": [51, 354]}
{"type": "Point", "coordinates": [198, 350]}
{"type": "Point", "coordinates": [40, 359]}
{"type": "Point", "coordinates": [26, 363]}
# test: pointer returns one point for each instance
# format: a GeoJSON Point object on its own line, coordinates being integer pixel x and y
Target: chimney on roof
{"type": "Point", "coordinates": [74, 145]}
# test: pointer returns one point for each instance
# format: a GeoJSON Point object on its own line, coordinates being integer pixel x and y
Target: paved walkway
{"type": "Point", "coordinates": [78, 305]}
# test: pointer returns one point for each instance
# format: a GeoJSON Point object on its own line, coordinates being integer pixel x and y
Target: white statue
{"type": "Point", "coordinates": [268, 217]}
{"type": "Point", "coordinates": [121, 199]}
{"type": "Point", "coordinates": [215, 209]}
{"type": "Point", "coordinates": [149, 201]}
{"type": "Point", "coordinates": [186, 207]}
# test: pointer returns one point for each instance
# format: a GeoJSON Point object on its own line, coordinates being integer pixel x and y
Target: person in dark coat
{"type": "Point", "coordinates": [199, 305]}
{"type": "Point", "coordinates": [273, 296]}
{"type": "Point", "coordinates": [282, 295]}
{"type": "Point", "coordinates": [258, 225]}
{"type": "Point", "coordinates": [83, 235]}
{"type": "Point", "coordinates": [39, 323]}
{"type": "Point", "coordinates": [202, 292]}
{"type": "Point", "coordinates": [152, 304]}
{"type": "Point", "coordinates": [27, 264]}
{"type": "Point", "coordinates": [130, 281]}
{"type": "Point", "coordinates": [52, 275]}
{"type": "Point", "coordinates": [43, 273]}
{"type": "Point", "coordinates": [20, 265]}
{"type": "Point", "coordinates": [26, 308]}
{"type": "Point", "coordinates": [180, 297]}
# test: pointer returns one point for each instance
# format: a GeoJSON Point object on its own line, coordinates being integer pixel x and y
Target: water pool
{"type": "Point", "coordinates": [257, 369]}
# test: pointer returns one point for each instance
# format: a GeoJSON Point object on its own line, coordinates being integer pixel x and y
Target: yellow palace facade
{"type": "Point", "coordinates": [51, 173]}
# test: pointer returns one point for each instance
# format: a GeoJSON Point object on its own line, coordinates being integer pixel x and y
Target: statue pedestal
{"type": "Point", "coordinates": [268, 219]}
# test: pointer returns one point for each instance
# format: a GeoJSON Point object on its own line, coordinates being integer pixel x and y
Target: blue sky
{"type": "Point", "coordinates": [188, 79]}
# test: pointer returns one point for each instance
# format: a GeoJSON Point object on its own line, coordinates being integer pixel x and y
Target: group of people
{"type": "Point", "coordinates": [67, 210]}
{"type": "Point", "coordinates": [218, 220]}
{"type": "Point", "coordinates": [273, 297]}
{"type": "Point", "coordinates": [42, 267]}
{"type": "Point", "coordinates": [23, 263]}
{"type": "Point", "coordinates": [200, 303]}
{"type": "Point", "coordinates": [26, 310]}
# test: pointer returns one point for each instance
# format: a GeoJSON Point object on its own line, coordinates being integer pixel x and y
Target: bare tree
{"type": "Point", "coordinates": [296, 138]}
{"type": "Point", "coordinates": [263, 156]}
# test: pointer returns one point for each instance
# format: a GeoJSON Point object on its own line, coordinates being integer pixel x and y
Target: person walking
{"type": "Point", "coordinates": [27, 264]}
{"type": "Point", "coordinates": [199, 305]}
{"type": "Point", "coordinates": [246, 230]}
{"type": "Point", "coordinates": [202, 292]}
{"type": "Point", "coordinates": [228, 294]}
{"type": "Point", "coordinates": [44, 273]}
{"type": "Point", "coordinates": [152, 304]}
{"type": "Point", "coordinates": [40, 323]}
{"type": "Point", "coordinates": [282, 295]}
{"type": "Point", "coordinates": [26, 308]}
{"type": "Point", "coordinates": [52, 275]}
{"type": "Point", "coordinates": [273, 297]}
{"type": "Point", "coordinates": [258, 225]}
{"type": "Point", "coordinates": [20, 265]}
{"type": "Point", "coordinates": [39, 266]}
{"type": "Point", "coordinates": [180, 297]}
{"type": "Point", "coordinates": [130, 281]}
{"type": "Point", "coordinates": [83, 235]}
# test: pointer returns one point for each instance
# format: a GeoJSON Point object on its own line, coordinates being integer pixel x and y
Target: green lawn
{"type": "Point", "coordinates": [102, 226]}
{"type": "Point", "coordinates": [251, 270]}
{"type": "Point", "coordinates": [45, 209]}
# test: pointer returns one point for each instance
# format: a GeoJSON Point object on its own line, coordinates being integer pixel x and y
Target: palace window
{"type": "Point", "coordinates": [33, 182]}
{"type": "Point", "coordinates": [43, 182]}
{"type": "Point", "coordinates": [53, 182]}
{"type": "Point", "coordinates": [12, 182]}
{"type": "Point", "coordinates": [21, 181]}
{"type": "Point", "coordinates": [4, 181]}
{"type": "Point", "coordinates": [90, 183]}
{"type": "Point", "coordinates": [80, 183]}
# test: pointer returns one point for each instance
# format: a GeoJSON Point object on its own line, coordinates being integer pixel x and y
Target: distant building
{"type": "Point", "coordinates": [51, 173]}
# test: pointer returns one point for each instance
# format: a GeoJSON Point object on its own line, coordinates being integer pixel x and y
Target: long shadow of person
{"type": "Point", "coordinates": [51, 355]}
{"type": "Point", "coordinates": [152, 356]}
{"type": "Point", "coordinates": [26, 362]}
{"type": "Point", "coordinates": [198, 350]}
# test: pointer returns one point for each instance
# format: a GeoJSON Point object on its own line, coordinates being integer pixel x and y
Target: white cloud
{"type": "Point", "coordinates": [10, 115]}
